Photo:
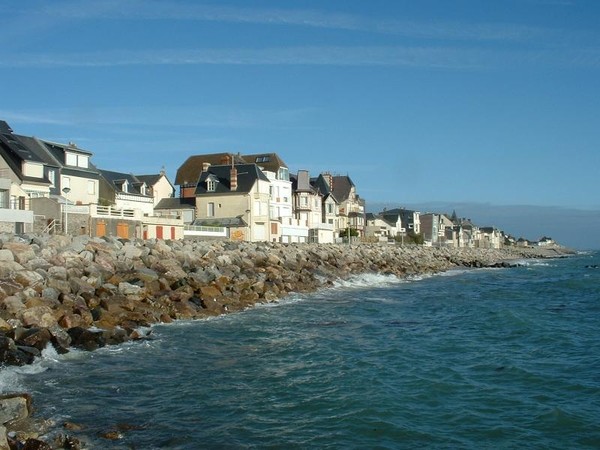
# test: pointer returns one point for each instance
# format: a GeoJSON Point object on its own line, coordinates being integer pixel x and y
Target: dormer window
{"type": "Point", "coordinates": [143, 189]}
{"type": "Point", "coordinates": [77, 160]}
{"type": "Point", "coordinates": [211, 183]}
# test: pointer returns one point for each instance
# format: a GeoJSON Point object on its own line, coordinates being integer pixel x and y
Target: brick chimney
{"type": "Point", "coordinates": [329, 179]}
{"type": "Point", "coordinates": [233, 178]}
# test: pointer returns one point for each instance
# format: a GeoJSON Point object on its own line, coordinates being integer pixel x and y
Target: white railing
{"type": "Point", "coordinates": [202, 228]}
{"type": "Point", "coordinates": [204, 231]}
{"type": "Point", "coordinates": [113, 212]}
{"type": "Point", "coordinates": [50, 227]}
{"type": "Point", "coordinates": [134, 197]}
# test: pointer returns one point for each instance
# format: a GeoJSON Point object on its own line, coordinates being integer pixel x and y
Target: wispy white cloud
{"type": "Point", "coordinates": [164, 10]}
{"type": "Point", "coordinates": [131, 120]}
{"type": "Point", "coordinates": [454, 58]}
{"type": "Point", "coordinates": [431, 57]}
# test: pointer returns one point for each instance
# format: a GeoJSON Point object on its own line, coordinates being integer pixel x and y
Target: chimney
{"type": "Point", "coordinates": [233, 178]}
{"type": "Point", "coordinates": [205, 166]}
{"type": "Point", "coordinates": [330, 180]}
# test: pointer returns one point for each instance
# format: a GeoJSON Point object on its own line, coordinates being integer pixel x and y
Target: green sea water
{"type": "Point", "coordinates": [493, 358]}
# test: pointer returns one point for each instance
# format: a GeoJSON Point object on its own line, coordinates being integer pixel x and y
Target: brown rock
{"type": "Point", "coordinates": [36, 337]}
{"type": "Point", "coordinates": [14, 407]}
{"type": "Point", "coordinates": [22, 252]}
{"type": "Point", "coordinates": [36, 444]}
{"type": "Point", "coordinates": [38, 316]}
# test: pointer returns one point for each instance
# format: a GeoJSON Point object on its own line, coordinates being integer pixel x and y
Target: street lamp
{"type": "Point", "coordinates": [66, 191]}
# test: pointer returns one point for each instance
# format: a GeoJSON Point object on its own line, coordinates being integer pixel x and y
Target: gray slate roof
{"type": "Point", "coordinates": [248, 174]}
{"type": "Point", "coordinates": [176, 203]}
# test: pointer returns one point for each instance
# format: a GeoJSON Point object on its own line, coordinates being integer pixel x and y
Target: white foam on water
{"type": "Point", "coordinates": [534, 263]}
{"type": "Point", "coordinates": [369, 280]}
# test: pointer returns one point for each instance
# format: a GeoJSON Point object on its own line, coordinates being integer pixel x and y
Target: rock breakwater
{"type": "Point", "coordinates": [90, 292]}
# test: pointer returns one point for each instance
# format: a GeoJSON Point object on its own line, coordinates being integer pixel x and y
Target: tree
{"type": "Point", "coordinates": [344, 232]}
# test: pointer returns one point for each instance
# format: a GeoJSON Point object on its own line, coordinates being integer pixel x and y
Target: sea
{"type": "Point", "coordinates": [467, 359]}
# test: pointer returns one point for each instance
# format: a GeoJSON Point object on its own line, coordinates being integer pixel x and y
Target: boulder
{"type": "Point", "coordinates": [4, 325]}
{"type": "Point", "coordinates": [14, 407]}
{"type": "Point", "coordinates": [4, 445]}
{"type": "Point", "coordinates": [22, 252]}
{"type": "Point", "coordinates": [13, 305]}
{"type": "Point", "coordinates": [35, 337]}
{"type": "Point", "coordinates": [86, 339]}
{"type": "Point", "coordinates": [38, 316]}
{"type": "Point", "coordinates": [36, 444]}
{"type": "Point", "coordinates": [129, 289]}
{"type": "Point", "coordinates": [146, 275]}
{"type": "Point", "coordinates": [60, 339]}
{"type": "Point", "coordinates": [6, 255]}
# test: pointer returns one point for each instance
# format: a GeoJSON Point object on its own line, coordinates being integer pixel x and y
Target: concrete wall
{"type": "Point", "coordinates": [119, 227]}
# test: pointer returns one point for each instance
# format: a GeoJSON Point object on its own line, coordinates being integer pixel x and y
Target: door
{"type": "Point", "coordinates": [123, 230]}
{"type": "Point", "coordinates": [159, 232]}
{"type": "Point", "coordinates": [100, 229]}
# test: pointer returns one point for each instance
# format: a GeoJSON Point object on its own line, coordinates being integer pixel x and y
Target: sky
{"type": "Point", "coordinates": [488, 104]}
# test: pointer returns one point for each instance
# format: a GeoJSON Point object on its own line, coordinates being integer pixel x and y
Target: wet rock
{"type": "Point", "coordinates": [14, 407]}
{"type": "Point", "coordinates": [112, 435]}
{"type": "Point", "coordinates": [36, 444]}
{"type": "Point", "coordinates": [86, 339]}
{"type": "Point", "coordinates": [60, 338]}
{"type": "Point", "coordinates": [67, 442]}
{"type": "Point", "coordinates": [38, 338]}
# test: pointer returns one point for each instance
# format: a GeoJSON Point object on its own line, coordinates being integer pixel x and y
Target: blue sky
{"type": "Point", "coordinates": [462, 101]}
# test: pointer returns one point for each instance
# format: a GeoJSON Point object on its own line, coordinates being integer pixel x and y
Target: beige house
{"type": "Point", "coordinates": [350, 207]}
{"type": "Point", "coordinates": [159, 186]}
{"type": "Point", "coordinates": [236, 197]}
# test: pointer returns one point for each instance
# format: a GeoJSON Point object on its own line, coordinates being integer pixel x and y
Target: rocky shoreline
{"type": "Point", "coordinates": [87, 292]}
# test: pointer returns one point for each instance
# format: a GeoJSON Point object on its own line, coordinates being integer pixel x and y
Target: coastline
{"type": "Point", "coordinates": [89, 292]}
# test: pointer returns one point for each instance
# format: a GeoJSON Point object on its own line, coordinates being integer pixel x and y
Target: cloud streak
{"type": "Point", "coordinates": [172, 117]}
{"type": "Point", "coordinates": [161, 10]}
{"type": "Point", "coordinates": [392, 56]}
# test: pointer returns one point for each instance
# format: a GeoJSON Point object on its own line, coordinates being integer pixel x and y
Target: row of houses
{"type": "Point", "coordinates": [432, 229]}
{"type": "Point", "coordinates": [48, 186]}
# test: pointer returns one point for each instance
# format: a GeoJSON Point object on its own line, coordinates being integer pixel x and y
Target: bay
{"type": "Point", "coordinates": [493, 358]}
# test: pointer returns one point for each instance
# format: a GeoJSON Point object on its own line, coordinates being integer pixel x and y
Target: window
{"type": "Point", "coordinates": [71, 159]}
{"type": "Point", "coordinates": [83, 161]}
{"type": "Point", "coordinates": [66, 182]}
{"type": "Point", "coordinates": [77, 160]}
{"type": "Point", "coordinates": [283, 174]}
{"type": "Point", "coordinates": [211, 185]}
{"type": "Point", "coordinates": [303, 201]}
{"type": "Point", "coordinates": [91, 187]}
{"type": "Point", "coordinates": [329, 208]}
{"type": "Point", "coordinates": [52, 177]}
{"type": "Point", "coordinates": [4, 199]}
{"type": "Point", "coordinates": [265, 158]}
{"type": "Point", "coordinates": [210, 210]}
{"type": "Point", "coordinates": [125, 186]}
